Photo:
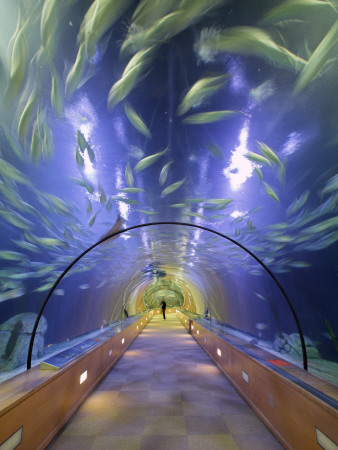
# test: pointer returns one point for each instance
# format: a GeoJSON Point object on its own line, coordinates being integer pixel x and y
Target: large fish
{"type": "Point", "coordinates": [215, 150]}
{"type": "Point", "coordinates": [129, 175]}
{"type": "Point", "coordinates": [116, 227]}
{"type": "Point", "coordinates": [297, 203]}
{"type": "Point", "coordinates": [84, 183]}
{"type": "Point", "coordinates": [38, 135]}
{"type": "Point", "coordinates": [268, 153]}
{"type": "Point", "coordinates": [26, 246]}
{"type": "Point", "coordinates": [160, 31]}
{"type": "Point", "coordinates": [129, 201]}
{"type": "Point", "coordinates": [57, 99]}
{"type": "Point", "coordinates": [149, 160]}
{"type": "Point", "coordinates": [19, 59]}
{"type": "Point", "coordinates": [12, 256]}
{"type": "Point", "coordinates": [193, 214]}
{"type": "Point", "coordinates": [101, 15]}
{"type": "Point", "coordinates": [13, 293]}
{"type": "Point", "coordinates": [145, 211]}
{"type": "Point", "coordinates": [49, 242]}
{"type": "Point", "coordinates": [52, 14]}
{"type": "Point", "coordinates": [148, 12]}
{"type": "Point", "coordinates": [136, 120]}
{"type": "Point", "coordinates": [179, 205]}
{"type": "Point", "coordinates": [13, 143]}
{"type": "Point", "coordinates": [169, 25]}
{"type": "Point", "coordinates": [16, 219]}
{"type": "Point", "coordinates": [92, 219]}
{"type": "Point", "coordinates": [84, 145]}
{"type": "Point", "coordinates": [173, 187]}
{"type": "Point", "coordinates": [76, 72]}
{"type": "Point", "coordinates": [26, 117]}
{"type": "Point", "coordinates": [200, 91]}
{"type": "Point", "coordinates": [317, 59]}
{"type": "Point", "coordinates": [14, 174]}
{"type": "Point", "coordinates": [103, 197]}
{"type": "Point", "coordinates": [131, 76]}
{"type": "Point", "coordinates": [331, 185]}
{"type": "Point", "coordinates": [292, 9]}
{"type": "Point", "coordinates": [255, 157]}
{"type": "Point", "coordinates": [217, 203]}
{"type": "Point", "coordinates": [208, 117]}
{"type": "Point", "coordinates": [132, 190]}
{"type": "Point", "coordinates": [258, 173]}
{"type": "Point", "coordinates": [322, 226]}
{"type": "Point", "coordinates": [249, 41]}
{"type": "Point", "coordinates": [271, 193]}
{"type": "Point", "coordinates": [164, 173]}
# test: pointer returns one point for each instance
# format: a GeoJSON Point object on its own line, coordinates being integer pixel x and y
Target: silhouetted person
{"type": "Point", "coordinates": [164, 305]}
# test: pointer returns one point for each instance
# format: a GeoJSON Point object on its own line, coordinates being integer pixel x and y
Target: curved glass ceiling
{"type": "Point", "coordinates": [217, 113]}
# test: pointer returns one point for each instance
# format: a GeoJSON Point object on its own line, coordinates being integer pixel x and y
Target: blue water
{"type": "Point", "coordinates": [292, 228]}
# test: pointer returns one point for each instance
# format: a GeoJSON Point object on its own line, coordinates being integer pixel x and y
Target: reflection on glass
{"type": "Point", "coordinates": [214, 113]}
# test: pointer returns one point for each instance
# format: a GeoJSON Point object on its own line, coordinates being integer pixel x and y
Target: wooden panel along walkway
{"type": "Point", "coordinates": [165, 393]}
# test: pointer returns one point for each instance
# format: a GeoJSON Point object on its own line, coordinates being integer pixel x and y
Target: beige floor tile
{"type": "Point", "coordinates": [227, 393]}
{"type": "Point", "coordinates": [122, 425]}
{"type": "Point", "coordinates": [118, 376]}
{"type": "Point", "coordinates": [130, 398]}
{"type": "Point", "coordinates": [86, 426]}
{"type": "Point", "coordinates": [198, 397]}
{"type": "Point", "coordinates": [257, 442]}
{"type": "Point", "coordinates": [99, 401]}
{"type": "Point", "coordinates": [132, 410]}
{"type": "Point", "coordinates": [234, 407]}
{"type": "Point", "coordinates": [136, 386]}
{"type": "Point", "coordinates": [116, 443]}
{"type": "Point", "coordinates": [164, 425]}
{"type": "Point", "coordinates": [163, 387]}
{"type": "Point", "coordinates": [164, 409]}
{"type": "Point", "coordinates": [196, 408]}
{"type": "Point", "coordinates": [164, 443]}
{"type": "Point", "coordinates": [135, 377]}
{"type": "Point", "coordinates": [188, 386]}
{"type": "Point", "coordinates": [72, 443]}
{"type": "Point", "coordinates": [213, 442]}
{"type": "Point", "coordinates": [245, 424]}
{"type": "Point", "coordinates": [107, 385]}
{"type": "Point", "coordinates": [212, 424]}
{"type": "Point", "coordinates": [165, 396]}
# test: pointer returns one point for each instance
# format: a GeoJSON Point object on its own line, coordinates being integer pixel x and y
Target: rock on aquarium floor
{"type": "Point", "coordinates": [327, 370]}
{"type": "Point", "coordinates": [57, 348]}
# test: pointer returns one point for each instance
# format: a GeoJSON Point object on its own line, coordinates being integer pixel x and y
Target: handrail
{"type": "Point", "coordinates": [301, 336]}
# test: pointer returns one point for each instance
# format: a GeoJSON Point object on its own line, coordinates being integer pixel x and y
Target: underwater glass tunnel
{"type": "Point", "coordinates": [177, 119]}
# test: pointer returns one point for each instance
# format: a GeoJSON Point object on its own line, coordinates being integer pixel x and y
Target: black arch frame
{"type": "Point", "coordinates": [31, 343]}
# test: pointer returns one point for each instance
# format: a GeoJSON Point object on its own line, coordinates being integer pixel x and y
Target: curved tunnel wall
{"type": "Point", "coordinates": [189, 300]}
{"type": "Point", "coordinates": [225, 119]}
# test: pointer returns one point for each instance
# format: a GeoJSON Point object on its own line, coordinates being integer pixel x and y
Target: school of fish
{"type": "Point", "coordinates": [35, 90]}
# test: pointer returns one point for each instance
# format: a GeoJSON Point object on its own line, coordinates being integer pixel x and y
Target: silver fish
{"type": "Point", "coordinates": [13, 293]}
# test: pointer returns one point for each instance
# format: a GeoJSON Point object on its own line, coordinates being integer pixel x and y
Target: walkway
{"type": "Point", "coordinates": [165, 393]}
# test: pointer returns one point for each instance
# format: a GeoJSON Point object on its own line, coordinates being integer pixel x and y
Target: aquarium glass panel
{"type": "Point", "coordinates": [222, 114]}
{"type": "Point", "coordinates": [189, 268]}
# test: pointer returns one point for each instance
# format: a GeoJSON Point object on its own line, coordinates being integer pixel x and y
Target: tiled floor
{"type": "Point", "coordinates": [164, 394]}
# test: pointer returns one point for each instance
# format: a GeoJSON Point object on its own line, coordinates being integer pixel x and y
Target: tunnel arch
{"type": "Point", "coordinates": [156, 291]}
{"type": "Point", "coordinates": [184, 224]}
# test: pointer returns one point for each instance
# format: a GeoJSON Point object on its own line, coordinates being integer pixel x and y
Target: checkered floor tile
{"type": "Point", "coordinates": [164, 394]}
